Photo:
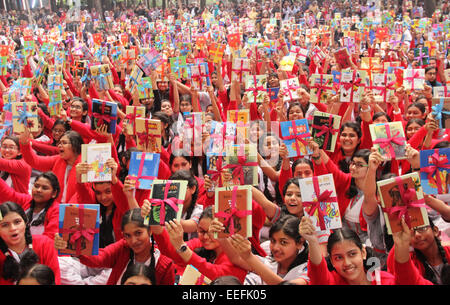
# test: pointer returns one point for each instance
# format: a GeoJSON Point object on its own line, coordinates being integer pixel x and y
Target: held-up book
{"type": "Point", "coordinates": [295, 135]}
{"type": "Point", "coordinates": [144, 167]}
{"type": "Point", "coordinates": [104, 113]}
{"type": "Point", "coordinates": [166, 199]}
{"type": "Point", "coordinates": [222, 134]}
{"type": "Point", "coordinates": [148, 135]}
{"type": "Point", "coordinates": [215, 163]}
{"type": "Point", "coordinates": [389, 139]}
{"type": "Point", "coordinates": [191, 276]}
{"type": "Point", "coordinates": [233, 208]}
{"type": "Point", "coordinates": [24, 114]}
{"type": "Point", "coordinates": [242, 119]}
{"type": "Point", "coordinates": [96, 155]}
{"type": "Point", "coordinates": [242, 163]}
{"type": "Point", "coordinates": [402, 196]}
{"type": "Point", "coordinates": [324, 129]}
{"type": "Point", "coordinates": [79, 226]}
{"type": "Point", "coordinates": [132, 113]}
{"type": "Point", "coordinates": [321, 87]}
{"type": "Point", "coordinates": [435, 170]}
{"type": "Point", "coordinates": [441, 111]}
{"type": "Point", "coordinates": [320, 202]}
{"type": "Point", "coordinates": [255, 87]}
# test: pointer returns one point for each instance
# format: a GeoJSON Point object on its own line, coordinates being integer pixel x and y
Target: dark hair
{"type": "Point", "coordinates": [293, 104]}
{"type": "Point", "coordinates": [84, 105]}
{"type": "Point", "coordinates": [209, 255]}
{"type": "Point", "coordinates": [380, 114]}
{"type": "Point", "coordinates": [15, 139]}
{"type": "Point", "coordinates": [343, 165]}
{"type": "Point", "coordinates": [75, 139]}
{"type": "Point", "coordinates": [414, 120]}
{"type": "Point", "coordinates": [165, 119]}
{"type": "Point", "coordinates": [11, 268]}
{"type": "Point", "coordinates": [442, 144]}
{"type": "Point", "coordinates": [123, 163]}
{"type": "Point", "coordinates": [289, 182]}
{"type": "Point", "coordinates": [43, 274]}
{"type": "Point", "coordinates": [192, 181]}
{"type": "Point", "coordinates": [135, 216]}
{"type": "Point", "coordinates": [288, 224]}
{"type": "Point", "coordinates": [428, 68]}
{"type": "Point", "coordinates": [360, 153]}
{"type": "Point", "coordinates": [429, 273]}
{"type": "Point", "coordinates": [302, 161]}
{"type": "Point", "coordinates": [51, 177]}
{"type": "Point", "coordinates": [418, 105]}
{"type": "Point", "coordinates": [138, 269]}
{"type": "Point", "coordinates": [226, 280]}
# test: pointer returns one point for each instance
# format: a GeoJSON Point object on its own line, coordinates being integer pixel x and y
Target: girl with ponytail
{"type": "Point", "coordinates": [19, 250]}
{"type": "Point", "coordinates": [136, 246]}
{"type": "Point", "coordinates": [41, 207]}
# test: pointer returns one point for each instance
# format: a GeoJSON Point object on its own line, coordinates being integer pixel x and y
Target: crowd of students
{"type": "Point", "coordinates": [42, 169]}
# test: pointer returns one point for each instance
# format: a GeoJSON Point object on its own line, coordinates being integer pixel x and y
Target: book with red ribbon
{"type": "Point", "coordinates": [144, 167]}
{"type": "Point", "coordinates": [435, 170]}
{"type": "Point", "coordinates": [148, 135]}
{"type": "Point", "coordinates": [240, 68]}
{"type": "Point", "coordinates": [215, 164]}
{"type": "Point", "coordinates": [199, 75]}
{"type": "Point", "coordinates": [403, 196]}
{"type": "Point", "coordinates": [389, 139]}
{"type": "Point", "coordinates": [256, 88]}
{"type": "Point", "coordinates": [242, 162]}
{"type": "Point", "coordinates": [383, 86]}
{"type": "Point", "coordinates": [104, 113]}
{"type": "Point", "coordinates": [24, 114]}
{"type": "Point", "coordinates": [166, 199]}
{"type": "Point", "coordinates": [241, 118]}
{"type": "Point", "coordinates": [222, 134]}
{"type": "Point", "coordinates": [352, 86]}
{"type": "Point", "coordinates": [191, 276]}
{"type": "Point", "coordinates": [325, 129]}
{"type": "Point", "coordinates": [414, 79]}
{"type": "Point", "coordinates": [79, 226]}
{"type": "Point", "coordinates": [96, 155]}
{"type": "Point", "coordinates": [441, 111]}
{"type": "Point", "coordinates": [233, 208]}
{"type": "Point", "coordinates": [192, 133]}
{"type": "Point", "coordinates": [321, 87]}
{"type": "Point", "coordinates": [343, 58]}
{"type": "Point", "coordinates": [132, 113]}
{"type": "Point", "coordinates": [320, 202]}
{"type": "Point", "coordinates": [289, 89]}
{"type": "Point", "coordinates": [295, 134]}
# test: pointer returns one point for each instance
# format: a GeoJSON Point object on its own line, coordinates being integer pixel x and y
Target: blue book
{"type": "Point", "coordinates": [145, 170]}
{"type": "Point", "coordinates": [79, 225]}
{"type": "Point", "coordinates": [104, 112]}
{"type": "Point", "coordinates": [435, 170]}
{"type": "Point", "coordinates": [295, 134]}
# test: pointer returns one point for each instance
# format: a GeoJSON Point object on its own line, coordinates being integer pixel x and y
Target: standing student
{"type": "Point", "coordinates": [41, 206]}
{"type": "Point", "coordinates": [136, 246]}
{"type": "Point", "coordinates": [20, 250]}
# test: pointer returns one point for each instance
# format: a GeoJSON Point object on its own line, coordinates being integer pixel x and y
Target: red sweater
{"type": "Point", "coordinates": [117, 257]}
{"type": "Point", "coordinates": [221, 266]}
{"type": "Point", "coordinates": [55, 164]}
{"type": "Point", "coordinates": [19, 171]}
{"type": "Point", "coordinates": [24, 200]}
{"type": "Point", "coordinates": [45, 249]}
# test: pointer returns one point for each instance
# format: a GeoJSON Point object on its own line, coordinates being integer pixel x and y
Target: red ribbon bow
{"type": "Point", "coordinates": [412, 77]}
{"type": "Point", "coordinates": [383, 142]}
{"type": "Point", "coordinates": [139, 174]}
{"type": "Point", "coordinates": [327, 130]}
{"type": "Point", "coordinates": [102, 117]}
{"type": "Point", "coordinates": [238, 170]}
{"type": "Point", "coordinates": [217, 174]}
{"type": "Point", "coordinates": [172, 202]}
{"type": "Point", "coordinates": [241, 70]}
{"type": "Point", "coordinates": [131, 117]}
{"type": "Point", "coordinates": [321, 87]}
{"type": "Point", "coordinates": [407, 196]}
{"type": "Point", "coordinates": [297, 137]}
{"type": "Point", "coordinates": [315, 204]}
{"type": "Point", "coordinates": [229, 217]}
{"type": "Point", "coordinates": [144, 137]}
{"type": "Point", "coordinates": [433, 168]}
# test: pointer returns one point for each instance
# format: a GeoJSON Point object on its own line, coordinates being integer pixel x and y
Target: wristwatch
{"type": "Point", "coordinates": [182, 249]}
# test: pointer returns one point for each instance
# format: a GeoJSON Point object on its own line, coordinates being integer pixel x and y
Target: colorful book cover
{"type": "Point", "coordinates": [103, 76]}
{"type": "Point", "coordinates": [178, 66]}
{"type": "Point", "coordinates": [441, 111]}
{"type": "Point", "coordinates": [289, 89]}
{"type": "Point", "coordinates": [148, 135]}
{"type": "Point", "coordinates": [414, 79]}
{"type": "Point", "coordinates": [215, 163]}
{"type": "Point", "coordinates": [441, 91]}
{"type": "Point", "coordinates": [352, 86]}
{"type": "Point", "coordinates": [301, 54]}
{"type": "Point", "coordinates": [287, 63]}
{"type": "Point", "coordinates": [199, 75]}
{"type": "Point", "coordinates": [226, 200]}
{"type": "Point", "coordinates": [421, 56]}
{"type": "Point", "coordinates": [55, 102]}
{"type": "Point", "coordinates": [144, 167]}
{"type": "Point", "coordinates": [55, 81]}
{"type": "Point", "coordinates": [150, 61]}
{"type": "Point", "coordinates": [255, 87]}
{"type": "Point", "coordinates": [389, 139]}
{"type": "Point", "coordinates": [145, 89]}
{"type": "Point", "coordinates": [321, 87]}
{"type": "Point", "coordinates": [242, 163]}
{"type": "Point", "coordinates": [164, 209]}
{"type": "Point", "coordinates": [435, 170]}
{"type": "Point", "coordinates": [325, 215]}
{"type": "Point", "coordinates": [273, 93]}
{"type": "Point", "coordinates": [240, 69]}
{"type": "Point", "coordinates": [131, 113]}
{"type": "Point", "coordinates": [104, 112]}
{"type": "Point", "coordinates": [222, 134]}
{"type": "Point", "coordinates": [343, 58]}
{"type": "Point", "coordinates": [24, 114]}
{"type": "Point", "coordinates": [192, 133]}
{"type": "Point", "coordinates": [242, 119]}
{"type": "Point", "coordinates": [191, 276]}
{"type": "Point", "coordinates": [383, 86]}
{"type": "Point", "coordinates": [96, 155]}
{"type": "Point", "coordinates": [216, 51]}
{"type": "Point", "coordinates": [295, 135]}
{"type": "Point", "coordinates": [134, 79]}
{"type": "Point", "coordinates": [401, 195]}
{"type": "Point", "coordinates": [75, 219]}
{"type": "Point", "coordinates": [325, 129]}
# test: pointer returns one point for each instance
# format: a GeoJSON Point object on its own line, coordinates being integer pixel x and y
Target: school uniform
{"type": "Point", "coordinates": [45, 250]}
{"type": "Point", "coordinates": [19, 173]}
{"type": "Point", "coordinates": [117, 257]}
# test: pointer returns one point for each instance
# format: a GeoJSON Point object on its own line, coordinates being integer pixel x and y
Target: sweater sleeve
{"type": "Point", "coordinates": [407, 274]}
{"type": "Point", "coordinates": [106, 258]}
{"type": "Point", "coordinates": [319, 274]}
{"type": "Point", "coordinates": [9, 194]}
{"type": "Point", "coordinates": [17, 167]}
{"type": "Point", "coordinates": [41, 163]}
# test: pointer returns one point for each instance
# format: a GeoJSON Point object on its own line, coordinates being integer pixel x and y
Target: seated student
{"type": "Point", "coordinates": [137, 245]}
{"type": "Point", "coordinates": [41, 206]}
{"type": "Point", "coordinates": [37, 275]}
{"type": "Point", "coordinates": [19, 249]}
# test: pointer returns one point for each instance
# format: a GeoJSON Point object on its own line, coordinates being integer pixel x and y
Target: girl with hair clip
{"type": "Point", "coordinates": [136, 246]}
{"type": "Point", "coordinates": [19, 250]}
{"type": "Point", "coordinates": [350, 260]}
{"type": "Point", "coordinates": [138, 274]}
{"type": "Point", "coordinates": [204, 253]}
{"type": "Point", "coordinates": [287, 262]}
{"type": "Point", "coordinates": [14, 170]}
{"type": "Point", "coordinates": [41, 207]}
{"type": "Point", "coordinates": [62, 165]}
{"type": "Point", "coordinates": [37, 275]}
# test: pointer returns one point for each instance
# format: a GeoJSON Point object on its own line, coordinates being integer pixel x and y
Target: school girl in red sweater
{"type": "Point", "coordinates": [13, 168]}
{"type": "Point", "coordinates": [20, 250]}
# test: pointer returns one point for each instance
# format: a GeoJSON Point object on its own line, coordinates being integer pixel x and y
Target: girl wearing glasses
{"type": "Point", "coordinates": [14, 171]}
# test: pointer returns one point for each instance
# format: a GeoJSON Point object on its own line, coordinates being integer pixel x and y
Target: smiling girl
{"type": "Point", "coordinates": [13, 169]}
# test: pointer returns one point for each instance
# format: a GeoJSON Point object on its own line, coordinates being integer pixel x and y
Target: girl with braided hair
{"type": "Point", "coordinates": [19, 250]}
